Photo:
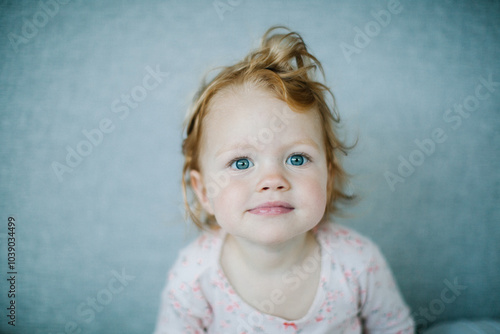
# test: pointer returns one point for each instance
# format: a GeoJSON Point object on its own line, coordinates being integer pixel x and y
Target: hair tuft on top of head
{"type": "Point", "coordinates": [286, 54]}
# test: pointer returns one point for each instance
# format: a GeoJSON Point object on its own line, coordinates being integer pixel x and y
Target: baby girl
{"type": "Point", "coordinates": [262, 166]}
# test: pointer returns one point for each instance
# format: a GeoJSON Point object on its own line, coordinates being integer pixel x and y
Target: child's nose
{"type": "Point", "coordinates": [273, 180]}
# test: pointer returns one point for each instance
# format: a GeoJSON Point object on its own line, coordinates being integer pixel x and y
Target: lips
{"type": "Point", "coordinates": [272, 209]}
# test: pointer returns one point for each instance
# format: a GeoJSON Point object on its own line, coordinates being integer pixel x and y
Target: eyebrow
{"type": "Point", "coordinates": [306, 141]}
{"type": "Point", "coordinates": [247, 146]}
{"type": "Point", "coordinates": [234, 147]}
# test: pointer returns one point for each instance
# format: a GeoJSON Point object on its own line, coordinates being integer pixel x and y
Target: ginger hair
{"type": "Point", "coordinates": [283, 66]}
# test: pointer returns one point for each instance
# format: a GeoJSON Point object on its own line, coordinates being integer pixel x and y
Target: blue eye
{"type": "Point", "coordinates": [243, 163]}
{"type": "Point", "coordinates": [297, 160]}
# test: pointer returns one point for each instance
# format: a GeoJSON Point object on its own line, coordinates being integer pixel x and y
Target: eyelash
{"type": "Point", "coordinates": [236, 159]}
{"type": "Point", "coordinates": [305, 155]}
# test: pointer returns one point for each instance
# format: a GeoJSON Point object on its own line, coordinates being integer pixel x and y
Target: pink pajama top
{"type": "Point", "coordinates": [357, 292]}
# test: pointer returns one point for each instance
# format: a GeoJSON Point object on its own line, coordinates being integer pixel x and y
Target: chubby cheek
{"type": "Point", "coordinates": [229, 204]}
{"type": "Point", "coordinates": [313, 191]}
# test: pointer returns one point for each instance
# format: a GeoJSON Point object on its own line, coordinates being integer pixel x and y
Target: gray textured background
{"type": "Point", "coordinates": [118, 210]}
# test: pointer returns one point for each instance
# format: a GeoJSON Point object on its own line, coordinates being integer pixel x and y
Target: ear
{"type": "Point", "coordinates": [200, 191]}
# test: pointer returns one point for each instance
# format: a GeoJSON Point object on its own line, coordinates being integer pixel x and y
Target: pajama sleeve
{"type": "Point", "coordinates": [382, 307]}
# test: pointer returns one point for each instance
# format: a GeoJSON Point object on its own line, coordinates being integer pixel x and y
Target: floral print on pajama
{"type": "Point", "coordinates": [357, 292]}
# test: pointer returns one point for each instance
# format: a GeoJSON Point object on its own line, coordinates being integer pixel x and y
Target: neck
{"type": "Point", "coordinates": [272, 259]}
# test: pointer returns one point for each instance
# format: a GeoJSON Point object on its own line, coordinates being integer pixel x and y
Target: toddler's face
{"type": "Point", "coordinates": [263, 167]}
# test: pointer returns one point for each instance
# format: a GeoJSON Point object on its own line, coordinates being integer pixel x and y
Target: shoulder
{"type": "Point", "coordinates": [184, 306]}
{"type": "Point", "coordinates": [363, 273]}
{"type": "Point", "coordinates": [195, 265]}
{"type": "Point", "coordinates": [347, 246]}
{"type": "Point", "coordinates": [336, 236]}
{"type": "Point", "coordinates": [196, 258]}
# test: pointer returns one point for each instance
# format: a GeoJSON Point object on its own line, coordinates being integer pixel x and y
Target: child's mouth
{"type": "Point", "coordinates": [272, 209]}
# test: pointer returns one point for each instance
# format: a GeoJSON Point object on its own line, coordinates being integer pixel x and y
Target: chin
{"type": "Point", "coordinates": [276, 236]}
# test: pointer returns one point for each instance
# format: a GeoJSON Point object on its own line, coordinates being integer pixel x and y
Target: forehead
{"type": "Point", "coordinates": [242, 101]}
{"type": "Point", "coordinates": [247, 110]}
